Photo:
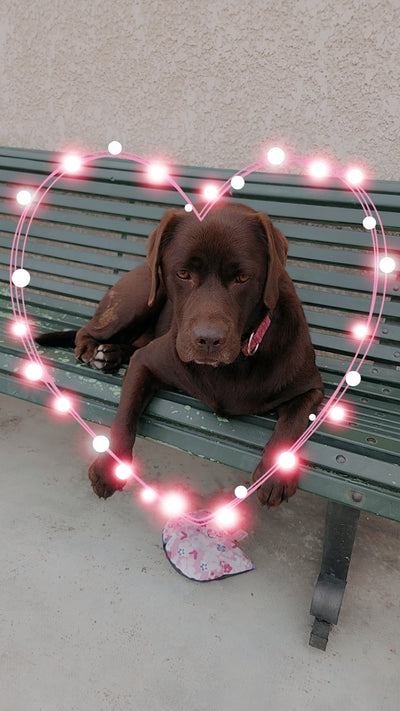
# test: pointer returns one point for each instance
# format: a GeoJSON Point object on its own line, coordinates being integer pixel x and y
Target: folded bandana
{"type": "Point", "coordinates": [205, 552]}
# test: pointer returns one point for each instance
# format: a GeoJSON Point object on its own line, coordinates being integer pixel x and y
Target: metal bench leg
{"type": "Point", "coordinates": [340, 531]}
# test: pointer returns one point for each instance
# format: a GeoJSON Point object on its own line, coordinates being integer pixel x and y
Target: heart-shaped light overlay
{"type": "Point", "coordinates": [173, 503]}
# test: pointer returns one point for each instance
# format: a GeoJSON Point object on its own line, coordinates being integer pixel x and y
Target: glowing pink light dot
{"type": "Point", "coordinates": [24, 197]}
{"type": "Point", "coordinates": [337, 413]}
{"type": "Point", "coordinates": [123, 472]}
{"type": "Point", "coordinates": [210, 192]}
{"type": "Point", "coordinates": [241, 492]}
{"type": "Point", "coordinates": [276, 155]}
{"type": "Point", "coordinates": [369, 222]}
{"type": "Point", "coordinates": [157, 172]}
{"type": "Point", "coordinates": [21, 278]}
{"type": "Point", "coordinates": [287, 460]}
{"type": "Point", "coordinates": [225, 517]}
{"type": "Point", "coordinates": [62, 404]}
{"type": "Point", "coordinates": [353, 378]}
{"type": "Point", "coordinates": [72, 164]}
{"type": "Point", "coordinates": [148, 495]}
{"type": "Point", "coordinates": [33, 371]}
{"type": "Point", "coordinates": [355, 176]}
{"type": "Point", "coordinates": [20, 329]}
{"type": "Point", "coordinates": [100, 443]}
{"type": "Point", "coordinates": [173, 504]}
{"type": "Point", "coordinates": [237, 182]}
{"type": "Point", "coordinates": [114, 148]}
{"type": "Point", "coordinates": [318, 169]}
{"type": "Point", "coordinates": [360, 331]}
{"type": "Point", "coordinates": [387, 265]}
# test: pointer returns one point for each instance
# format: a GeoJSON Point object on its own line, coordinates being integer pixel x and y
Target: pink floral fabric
{"type": "Point", "coordinates": [203, 553]}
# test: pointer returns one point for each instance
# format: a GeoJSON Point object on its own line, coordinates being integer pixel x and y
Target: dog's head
{"type": "Point", "coordinates": [221, 275]}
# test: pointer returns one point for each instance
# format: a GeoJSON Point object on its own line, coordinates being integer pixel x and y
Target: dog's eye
{"type": "Point", "coordinates": [183, 274]}
{"type": "Point", "coordinates": [242, 278]}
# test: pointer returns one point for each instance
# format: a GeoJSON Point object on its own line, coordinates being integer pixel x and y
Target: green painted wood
{"type": "Point", "coordinates": [387, 331]}
{"type": "Point", "coordinates": [293, 188]}
{"type": "Point", "coordinates": [49, 160]}
{"type": "Point", "coordinates": [97, 259]}
{"type": "Point", "coordinates": [93, 222]}
{"type": "Point", "coordinates": [339, 344]}
{"type": "Point", "coordinates": [382, 392]}
{"type": "Point", "coordinates": [351, 305]}
{"type": "Point", "coordinates": [135, 245]}
{"type": "Point", "coordinates": [51, 306]}
{"type": "Point", "coordinates": [332, 367]}
{"type": "Point", "coordinates": [305, 207]}
{"type": "Point", "coordinates": [151, 200]}
{"type": "Point", "coordinates": [66, 289]}
{"type": "Point", "coordinates": [328, 236]}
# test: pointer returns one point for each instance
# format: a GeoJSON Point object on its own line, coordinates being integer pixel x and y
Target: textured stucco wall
{"type": "Point", "coordinates": [205, 82]}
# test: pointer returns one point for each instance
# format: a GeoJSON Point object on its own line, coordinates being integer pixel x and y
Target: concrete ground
{"type": "Point", "coordinates": [93, 616]}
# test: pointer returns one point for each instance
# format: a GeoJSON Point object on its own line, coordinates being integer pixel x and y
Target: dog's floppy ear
{"type": "Point", "coordinates": [158, 236]}
{"type": "Point", "coordinates": [277, 251]}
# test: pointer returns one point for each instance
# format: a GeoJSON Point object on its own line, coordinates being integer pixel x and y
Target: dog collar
{"type": "Point", "coordinates": [253, 342]}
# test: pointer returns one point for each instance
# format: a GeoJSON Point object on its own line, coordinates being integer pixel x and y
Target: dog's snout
{"type": "Point", "coordinates": [208, 341]}
{"type": "Point", "coordinates": [208, 338]}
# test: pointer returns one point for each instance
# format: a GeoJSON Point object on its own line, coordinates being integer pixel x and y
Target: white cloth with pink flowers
{"type": "Point", "coordinates": [204, 552]}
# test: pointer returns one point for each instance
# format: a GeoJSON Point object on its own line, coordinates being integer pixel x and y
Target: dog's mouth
{"type": "Point", "coordinates": [214, 360]}
{"type": "Point", "coordinates": [213, 363]}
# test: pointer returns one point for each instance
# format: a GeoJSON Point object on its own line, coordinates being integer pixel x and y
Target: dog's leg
{"type": "Point", "coordinates": [121, 316]}
{"type": "Point", "coordinates": [292, 422]}
{"type": "Point", "coordinates": [138, 388]}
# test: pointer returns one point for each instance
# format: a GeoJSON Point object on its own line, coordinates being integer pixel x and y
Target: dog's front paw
{"type": "Point", "coordinates": [278, 488]}
{"type": "Point", "coordinates": [273, 491]}
{"type": "Point", "coordinates": [103, 477]}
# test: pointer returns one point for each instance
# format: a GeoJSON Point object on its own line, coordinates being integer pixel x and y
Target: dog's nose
{"type": "Point", "coordinates": [208, 338]}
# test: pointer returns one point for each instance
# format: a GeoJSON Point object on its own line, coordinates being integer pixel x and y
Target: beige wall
{"type": "Point", "coordinates": [205, 82]}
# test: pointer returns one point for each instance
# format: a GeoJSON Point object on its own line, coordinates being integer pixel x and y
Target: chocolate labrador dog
{"type": "Point", "coordinates": [214, 313]}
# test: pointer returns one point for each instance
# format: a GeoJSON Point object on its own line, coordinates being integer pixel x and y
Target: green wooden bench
{"type": "Point", "coordinates": [90, 230]}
